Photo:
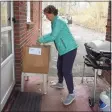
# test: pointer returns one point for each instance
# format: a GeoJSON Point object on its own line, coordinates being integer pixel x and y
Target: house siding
{"type": "Point", "coordinates": [23, 35]}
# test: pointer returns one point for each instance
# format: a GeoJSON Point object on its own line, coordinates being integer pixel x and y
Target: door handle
{"type": "Point", "coordinates": [9, 18]}
{"type": "Point", "coordinates": [14, 19]}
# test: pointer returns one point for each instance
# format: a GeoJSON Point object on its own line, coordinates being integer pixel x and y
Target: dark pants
{"type": "Point", "coordinates": [64, 66]}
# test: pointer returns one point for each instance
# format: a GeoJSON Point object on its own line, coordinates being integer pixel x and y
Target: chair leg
{"type": "Point", "coordinates": [27, 78]}
{"type": "Point", "coordinates": [22, 82]}
{"type": "Point", "coordinates": [44, 83]}
{"type": "Point", "coordinates": [95, 79]}
{"type": "Point", "coordinates": [47, 78]}
{"type": "Point", "coordinates": [83, 74]}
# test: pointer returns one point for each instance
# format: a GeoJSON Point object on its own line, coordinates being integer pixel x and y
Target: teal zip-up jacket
{"type": "Point", "coordinates": [61, 36]}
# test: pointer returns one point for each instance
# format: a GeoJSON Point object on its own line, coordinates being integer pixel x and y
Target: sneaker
{"type": "Point", "coordinates": [69, 99]}
{"type": "Point", "coordinates": [57, 85]}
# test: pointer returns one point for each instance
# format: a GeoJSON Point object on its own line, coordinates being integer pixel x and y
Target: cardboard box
{"type": "Point", "coordinates": [36, 59]}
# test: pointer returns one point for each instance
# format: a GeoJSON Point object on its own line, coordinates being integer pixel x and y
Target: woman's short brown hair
{"type": "Point", "coordinates": [51, 10]}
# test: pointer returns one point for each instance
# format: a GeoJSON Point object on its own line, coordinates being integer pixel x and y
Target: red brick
{"type": "Point", "coordinates": [22, 35]}
{"type": "Point", "coordinates": [16, 8]}
{"type": "Point", "coordinates": [106, 74]}
{"type": "Point", "coordinates": [16, 3]}
{"type": "Point", "coordinates": [17, 17]}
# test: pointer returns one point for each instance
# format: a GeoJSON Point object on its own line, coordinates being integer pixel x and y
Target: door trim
{"type": "Point", "coordinates": [6, 60]}
{"type": "Point", "coordinates": [12, 23]}
{"type": "Point", "coordinates": [11, 56]}
{"type": "Point", "coordinates": [5, 98]}
{"type": "Point", "coordinates": [8, 28]}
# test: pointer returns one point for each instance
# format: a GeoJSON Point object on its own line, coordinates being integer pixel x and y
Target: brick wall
{"type": "Point", "coordinates": [107, 74]}
{"type": "Point", "coordinates": [108, 27]}
{"type": "Point", "coordinates": [23, 35]}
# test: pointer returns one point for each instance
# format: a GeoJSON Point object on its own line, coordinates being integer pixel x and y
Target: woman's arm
{"type": "Point", "coordinates": [51, 36]}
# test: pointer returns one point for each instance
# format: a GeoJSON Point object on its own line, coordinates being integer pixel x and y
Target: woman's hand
{"type": "Point", "coordinates": [37, 43]}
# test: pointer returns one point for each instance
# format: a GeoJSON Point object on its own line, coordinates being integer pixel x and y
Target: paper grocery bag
{"type": "Point", "coordinates": [36, 59]}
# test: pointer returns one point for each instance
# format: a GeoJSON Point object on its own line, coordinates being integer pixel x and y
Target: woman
{"type": "Point", "coordinates": [66, 47]}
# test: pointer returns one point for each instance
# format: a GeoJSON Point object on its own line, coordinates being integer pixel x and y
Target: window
{"type": "Point", "coordinates": [6, 31]}
{"type": "Point", "coordinates": [6, 45]}
{"type": "Point", "coordinates": [6, 14]}
{"type": "Point", "coordinates": [28, 12]}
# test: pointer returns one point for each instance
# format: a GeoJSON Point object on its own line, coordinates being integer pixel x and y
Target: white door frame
{"type": "Point", "coordinates": [12, 33]}
{"type": "Point", "coordinates": [7, 60]}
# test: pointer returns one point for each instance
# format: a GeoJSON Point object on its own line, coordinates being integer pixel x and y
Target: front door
{"type": "Point", "coordinates": [7, 51]}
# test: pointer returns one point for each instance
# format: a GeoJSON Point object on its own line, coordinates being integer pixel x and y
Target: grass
{"type": "Point", "coordinates": [93, 17]}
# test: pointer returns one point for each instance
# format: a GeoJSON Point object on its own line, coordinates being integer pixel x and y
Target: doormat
{"type": "Point", "coordinates": [27, 102]}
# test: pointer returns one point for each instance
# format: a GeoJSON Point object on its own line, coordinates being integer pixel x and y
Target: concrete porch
{"type": "Point", "coordinates": [52, 100]}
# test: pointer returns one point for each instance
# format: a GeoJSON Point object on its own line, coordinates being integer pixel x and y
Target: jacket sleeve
{"type": "Point", "coordinates": [52, 36]}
